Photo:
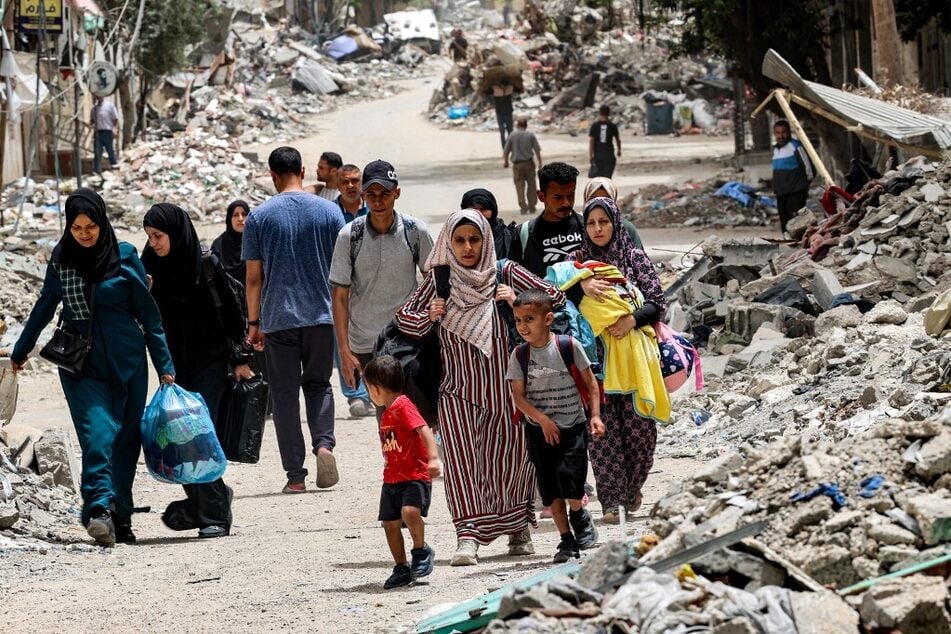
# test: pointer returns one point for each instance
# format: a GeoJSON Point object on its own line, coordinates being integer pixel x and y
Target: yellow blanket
{"type": "Point", "coordinates": [632, 363]}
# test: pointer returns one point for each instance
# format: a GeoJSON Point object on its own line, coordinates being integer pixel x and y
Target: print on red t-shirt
{"type": "Point", "coordinates": [403, 449]}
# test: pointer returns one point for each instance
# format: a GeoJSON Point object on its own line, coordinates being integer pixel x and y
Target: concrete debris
{"type": "Point", "coordinates": [727, 591]}
{"type": "Point", "coordinates": [563, 60]}
{"type": "Point", "coordinates": [38, 501]}
{"type": "Point", "coordinates": [698, 204]}
{"type": "Point", "coordinates": [842, 511]}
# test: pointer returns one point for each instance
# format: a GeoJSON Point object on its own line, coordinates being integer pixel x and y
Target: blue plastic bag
{"type": "Point", "coordinates": [179, 438]}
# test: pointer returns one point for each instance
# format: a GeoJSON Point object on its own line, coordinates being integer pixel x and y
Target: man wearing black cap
{"type": "Point", "coordinates": [374, 266]}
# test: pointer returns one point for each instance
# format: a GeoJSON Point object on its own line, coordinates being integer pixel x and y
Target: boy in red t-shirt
{"type": "Point", "coordinates": [409, 450]}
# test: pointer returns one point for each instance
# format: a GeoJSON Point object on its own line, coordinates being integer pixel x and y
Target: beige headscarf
{"type": "Point", "coordinates": [598, 183]}
{"type": "Point", "coordinates": [470, 309]}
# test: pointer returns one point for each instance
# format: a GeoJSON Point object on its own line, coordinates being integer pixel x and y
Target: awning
{"type": "Point", "coordinates": [860, 114]}
{"type": "Point", "coordinates": [86, 6]}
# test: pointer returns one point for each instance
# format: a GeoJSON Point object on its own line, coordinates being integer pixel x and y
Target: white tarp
{"type": "Point", "coordinates": [413, 25]}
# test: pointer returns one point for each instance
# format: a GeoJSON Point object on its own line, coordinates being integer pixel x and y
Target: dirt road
{"type": "Point", "coordinates": [313, 562]}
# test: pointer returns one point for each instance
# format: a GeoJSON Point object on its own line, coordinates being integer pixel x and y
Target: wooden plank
{"type": "Point", "coordinates": [475, 613]}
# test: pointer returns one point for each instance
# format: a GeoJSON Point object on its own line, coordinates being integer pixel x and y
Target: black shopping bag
{"type": "Point", "coordinates": [241, 428]}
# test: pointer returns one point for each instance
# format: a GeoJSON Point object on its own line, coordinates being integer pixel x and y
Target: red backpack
{"type": "Point", "coordinates": [566, 349]}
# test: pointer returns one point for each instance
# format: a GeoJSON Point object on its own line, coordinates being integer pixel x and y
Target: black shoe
{"type": "Point", "coordinates": [402, 576]}
{"type": "Point", "coordinates": [102, 528]}
{"type": "Point", "coordinates": [567, 549]}
{"type": "Point", "coordinates": [210, 532]}
{"type": "Point", "coordinates": [585, 532]}
{"type": "Point", "coordinates": [124, 534]}
{"type": "Point", "coordinates": [423, 560]}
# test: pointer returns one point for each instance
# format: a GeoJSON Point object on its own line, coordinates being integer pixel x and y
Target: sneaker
{"type": "Point", "coordinates": [567, 549]}
{"type": "Point", "coordinates": [585, 533]}
{"type": "Point", "coordinates": [327, 475]}
{"type": "Point", "coordinates": [402, 576]}
{"type": "Point", "coordinates": [294, 487]}
{"type": "Point", "coordinates": [610, 517]}
{"type": "Point", "coordinates": [359, 408]}
{"type": "Point", "coordinates": [102, 529]}
{"type": "Point", "coordinates": [467, 553]}
{"type": "Point", "coordinates": [210, 532]}
{"type": "Point", "coordinates": [423, 560]}
{"type": "Point", "coordinates": [124, 534]}
{"type": "Point", "coordinates": [520, 543]}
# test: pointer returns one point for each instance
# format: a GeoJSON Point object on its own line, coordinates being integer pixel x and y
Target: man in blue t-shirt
{"type": "Point", "coordinates": [288, 244]}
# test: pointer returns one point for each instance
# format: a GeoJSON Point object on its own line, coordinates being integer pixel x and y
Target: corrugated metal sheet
{"type": "Point", "coordinates": [899, 124]}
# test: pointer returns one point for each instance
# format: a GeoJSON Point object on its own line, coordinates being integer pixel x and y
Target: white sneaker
{"type": "Point", "coordinates": [467, 553]}
{"type": "Point", "coordinates": [359, 408]}
{"type": "Point", "coordinates": [520, 543]}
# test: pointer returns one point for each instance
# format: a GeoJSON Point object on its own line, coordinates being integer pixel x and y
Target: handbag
{"type": "Point", "coordinates": [67, 348]}
{"type": "Point", "coordinates": [679, 358]}
{"type": "Point", "coordinates": [241, 428]}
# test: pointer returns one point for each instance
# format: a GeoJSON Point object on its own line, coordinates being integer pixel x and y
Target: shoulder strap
{"type": "Point", "coordinates": [411, 233]}
{"type": "Point", "coordinates": [525, 232]}
{"type": "Point", "coordinates": [567, 351]}
{"type": "Point", "coordinates": [499, 271]}
{"type": "Point", "coordinates": [522, 354]}
{"type": "Point", "coordinates": [356, 238]}
{"type": "Point", "coordinates": [208, 264]}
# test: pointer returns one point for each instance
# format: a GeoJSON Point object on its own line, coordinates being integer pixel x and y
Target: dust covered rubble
{"type": "Point", "coordinates": [826, 342]}
{"type": "Point", "coordinates": [555, 49]}
{"type": "Point", "coordinates": [836, 514]}
{"type": "Point", "coordinates": [39, 490]}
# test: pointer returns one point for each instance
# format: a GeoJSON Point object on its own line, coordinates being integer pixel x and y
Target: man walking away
{"type": "Point", "coordinates": [458, 46]}
{"type": "Point", "coordinates": [792, 173]}
{"type": "Point", "coordinates": [504, 111]}
{"type": "Point", "coordinates": [287, 244]}
{"type": "Point", "coordinates": [327, 169]}
{"type": "Point", "coordinates": [373, 273]}
{"type": "Point", "coordinates": [106, 119]}
{"type": "Point", "coordinates": [520, 146]}
{"type": "Point", "coordinates": [601, 139]}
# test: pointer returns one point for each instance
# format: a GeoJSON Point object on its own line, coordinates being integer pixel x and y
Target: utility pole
{"type": "Point", "coordinates": [77, 108]}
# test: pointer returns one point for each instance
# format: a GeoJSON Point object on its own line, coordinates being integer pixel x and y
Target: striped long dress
{"type": "Point", "coordinates": [489, 482]}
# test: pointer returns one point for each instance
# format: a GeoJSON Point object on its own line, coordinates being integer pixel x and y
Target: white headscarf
{"type": "Point", "coordinates": [470, 308]}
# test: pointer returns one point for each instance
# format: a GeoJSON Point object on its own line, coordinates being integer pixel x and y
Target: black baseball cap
{"type": "Point", "coordinates": [380, 172]}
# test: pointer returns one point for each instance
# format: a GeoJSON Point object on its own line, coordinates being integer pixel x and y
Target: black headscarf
{"type": "Point", "coordinates": [95, 263]}
{"type": "Point", "coordinates": [227, 246]}
{"type": "Point", "coordinates": [176, 275]}
{"type": "Point", "coordinates": [500, 232]}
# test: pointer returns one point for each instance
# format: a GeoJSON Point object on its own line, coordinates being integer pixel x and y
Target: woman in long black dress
{"type": "Point", "coordinates": [205, 328]}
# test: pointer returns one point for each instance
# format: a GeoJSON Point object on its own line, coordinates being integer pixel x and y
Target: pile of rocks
{"type": "Point", "coordinates": [828, 346]}
{"type": "Point", "coordinates": [697, 204]}
{"type": "Point", "coordinates": [553, 68]}
{"type": "Point", "coordinates": [39, 501]}
{"type": "Point", "coordinates": [834, 515]}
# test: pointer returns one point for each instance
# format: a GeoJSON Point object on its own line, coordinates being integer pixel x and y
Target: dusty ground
{"type": "Point", "coordinates": [314, 562]}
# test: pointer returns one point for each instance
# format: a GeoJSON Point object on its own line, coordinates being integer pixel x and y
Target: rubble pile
{"type": "Point", "coordinates": [824, 348]}
{"type": "Point", "coordinates": [705, 203]}
{"type": "Point", "coordinates": [819, 516]}
{"type": "Point", "coordinates": [39, 489]}
{"type": "Point", "coordinates": [564, 62]}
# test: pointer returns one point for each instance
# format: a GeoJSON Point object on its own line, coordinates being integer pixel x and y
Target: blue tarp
{"type": "Point", "coordinates": [340, 47]}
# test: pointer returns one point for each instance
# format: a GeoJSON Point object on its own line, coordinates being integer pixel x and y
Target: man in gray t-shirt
{"type": "Point", "coordinates": [373, 271]}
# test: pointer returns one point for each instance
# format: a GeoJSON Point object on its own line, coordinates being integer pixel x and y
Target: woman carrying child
{"type": "Point", "coordinates": [635, 394]}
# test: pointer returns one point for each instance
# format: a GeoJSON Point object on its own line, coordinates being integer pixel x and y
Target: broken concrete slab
{"type": "Point", "coordinates": [825, 286]}
{"type": "Point", "coordinates": [933, 514]}
{"type": "Point", "coordinates": [909, 604]}
{"type": "Point", "coordinates": [804, 219]}
{"type": "Point", "coordinates": [822, 613]}
{"type": "Point", "coordinates": [314, 78]}
{"type": "Point", "coordinates": [934, 457]}
{"type": "Point", "coordinates": [848, 316]}
{"type": "Point", "coordinates": [887, 312]}
{"type": "Point", "coordinates": [55, 456]}
{"type": "Point", "coordinates": [605, 565]}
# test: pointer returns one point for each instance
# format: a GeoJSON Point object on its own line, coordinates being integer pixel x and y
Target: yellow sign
{"type": "Point", "coordinates": [33, 15]}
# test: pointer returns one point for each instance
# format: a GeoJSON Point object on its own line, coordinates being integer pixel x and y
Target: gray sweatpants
{"type": "Point", "coordinates": [301, 358]}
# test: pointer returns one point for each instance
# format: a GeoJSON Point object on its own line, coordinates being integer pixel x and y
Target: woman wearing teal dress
{"type": "Point", "coordinates": [97, 277]}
